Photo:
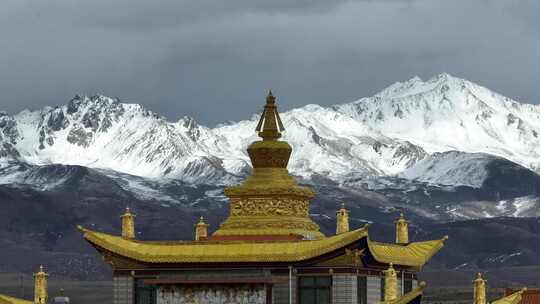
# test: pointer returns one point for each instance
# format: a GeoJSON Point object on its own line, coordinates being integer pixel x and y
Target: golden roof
{"type": "Point", "coordinates": [514, 298]}
{"type": "Point", "coordinates": [221, 251]}
{"type": "Point", "coordinates": [11, 300]}
{"type": "Point", "coordinates": [408, 297]}
{"type": "Point", "coordinates": [413, 254]}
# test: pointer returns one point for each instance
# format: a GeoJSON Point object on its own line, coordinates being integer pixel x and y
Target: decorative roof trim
{"type": "Point", "coordinates": [414, 254]}
{"type": "Point", "coordinates": [514, 298]}
{"type": "Point", "coordinates": [11, 300]}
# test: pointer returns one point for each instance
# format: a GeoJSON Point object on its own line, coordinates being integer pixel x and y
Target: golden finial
{"type": "Point", "coordinates": [128, 224]}
{"type": "Point", "coordinates": [270, 125]}
{"type": "Point", "coordinates": [479, 289]}
{"type": "Point", "coordinates": [402, 230]}
{"type": "Point", "coordinates": [40, 286]}
{"type": "Point", "coordinates": [390, 284]}
{"type": "Point", "coordinates": [342, 220]}
{"type": "Point", "coordinates": [201, 229]}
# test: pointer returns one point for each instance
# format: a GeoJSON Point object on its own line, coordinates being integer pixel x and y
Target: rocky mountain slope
{"type": "Point", "coordinates": [383, 135]}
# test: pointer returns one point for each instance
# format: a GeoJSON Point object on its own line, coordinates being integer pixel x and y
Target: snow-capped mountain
{"type": "Point", "coordinates": [447, 113]}
{"type": "Point", "coordinates": [443, 150]}
{"type": "Point", "coordinates": [400, 131]}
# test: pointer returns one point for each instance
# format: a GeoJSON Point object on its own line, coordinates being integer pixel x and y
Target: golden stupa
{"type": "Point", "coordinates": [269, 202]}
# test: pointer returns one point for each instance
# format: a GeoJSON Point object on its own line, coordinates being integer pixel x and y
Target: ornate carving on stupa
{"type": "Point", "coordinates": [269, 201]}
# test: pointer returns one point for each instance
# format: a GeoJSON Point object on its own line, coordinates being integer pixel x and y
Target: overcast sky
{"type": "Point", "coordinates": [214, 60]}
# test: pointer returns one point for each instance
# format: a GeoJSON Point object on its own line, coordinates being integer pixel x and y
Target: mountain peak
{"type": "Point", "coordinates": [382, 134]}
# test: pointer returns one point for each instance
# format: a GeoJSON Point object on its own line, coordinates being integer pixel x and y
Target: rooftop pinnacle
{"type": "Point", "coordinates": [270, 125]}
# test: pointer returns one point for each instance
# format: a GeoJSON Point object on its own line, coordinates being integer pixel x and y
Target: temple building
{"type": "Point", "coordinates": [268, 250]}
{"type": "Point", "coordinates": [40, 291]}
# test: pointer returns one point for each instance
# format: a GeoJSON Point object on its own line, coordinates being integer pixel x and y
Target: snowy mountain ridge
{"type": "Point", "coordinates": [439, 131]}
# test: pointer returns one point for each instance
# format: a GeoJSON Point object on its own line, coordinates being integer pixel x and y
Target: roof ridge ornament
{"type": "Point", "coordinates": [270, 125]}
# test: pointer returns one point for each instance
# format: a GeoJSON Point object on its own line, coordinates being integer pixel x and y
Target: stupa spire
{"type": "Point", "coordinates": [269, 201]}
{"type": "Point", "coordinates": [270, 125]}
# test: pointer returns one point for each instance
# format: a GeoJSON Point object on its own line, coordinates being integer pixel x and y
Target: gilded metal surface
{"type": "Point", "coordinates": [413, 254]}
{"type": "Point", "coordinates": [269, 154]}
{"type": "Point", "coordinates": [514, 298]}
{"type": "Point", "coordinates": [40, 287]}
{"type": "Point", "coordinates": [390, 284]}
{"type": "Point", "coordinates": [270, 124]}
{"type": "Point", "coordinates": [402, 230]}
{"type": "Point", "coordinates": [479, 290]}
{"type": "Point", "coordinates": [201, 229]}
{"type": "Point", "coordinates": [220, 251]}
{"type": "Point", "coordinates": [268, 225]}
{"type": "Point", "coordinates": [128, 224]}
{"type": "Point", "coordinates": [11, 300]}
{"type": "Point", "coordinates": [342, 219]}
{"type": "Point", "coordinates": [408, 297]}
{"type": "Point", "coordinates": [269, 207]}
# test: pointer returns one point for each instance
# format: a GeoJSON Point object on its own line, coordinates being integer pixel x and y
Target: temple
{"type": "Point", "coordinates": [268, 250]}
{"type": "Point", "coordinates": [40, 291]}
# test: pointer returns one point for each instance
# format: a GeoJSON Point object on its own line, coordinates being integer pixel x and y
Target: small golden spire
{"type": "Point", "coordinates": [128, 224]}
{"type": "Point", "coordinates": [479, 290]}
{"type": "Point", "coordinates": [40, 286]}
{"type": "Point", "coordinates": [390, 284]}
{"type": "Point", "coordinates": [201, 230]}
{"type": "Point", "coordinates": [402, 230]}
{"type": "Point", "coordinates": [270, 125]}
{"type": "Point", "coordinates": [342, 220]}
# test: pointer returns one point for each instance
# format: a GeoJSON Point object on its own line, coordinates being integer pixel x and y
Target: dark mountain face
{"type": "Point", "coordinates": [39, 215]}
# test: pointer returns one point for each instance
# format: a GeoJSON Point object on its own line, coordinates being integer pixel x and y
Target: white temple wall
{"type": "Point", "coordinates": [344, 289]}
{"type": "Point", "coordinates": [373, 289]}
{"type": "Point", "coordinates": [123, 290]}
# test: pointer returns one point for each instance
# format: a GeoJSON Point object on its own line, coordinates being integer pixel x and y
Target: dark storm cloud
{"type": "Point", "coordinates": [214, 60]}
